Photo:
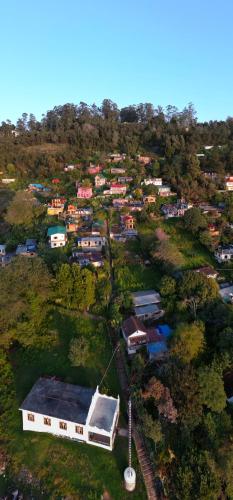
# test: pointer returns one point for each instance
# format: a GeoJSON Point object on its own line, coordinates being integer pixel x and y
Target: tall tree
{"type": "Point", "coordinates": [22, 209]}
{"type": "Point", "coordinates": [194, 220]}
{"type": "Point", "coordinates": [196, 290]}
{"type": "Point", "coordinates": [212, 388]}
{"type": "Point", "coordinates": [25, 291]}
{"type": "Point", "coordinates": [188, 341]}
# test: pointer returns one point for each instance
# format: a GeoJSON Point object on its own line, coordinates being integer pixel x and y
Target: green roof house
{"type": "Point", "coordinates": [57, 236]}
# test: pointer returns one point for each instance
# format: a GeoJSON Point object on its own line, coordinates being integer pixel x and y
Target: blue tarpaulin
{"type": "Point", "coordinates": [164, 330]}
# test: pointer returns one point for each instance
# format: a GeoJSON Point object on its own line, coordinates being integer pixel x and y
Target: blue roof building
{"type": "Point", "coordinates": [164, 330]}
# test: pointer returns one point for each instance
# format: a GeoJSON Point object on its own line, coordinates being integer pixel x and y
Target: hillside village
{"type": "Point", "coordinates": [109, 260]}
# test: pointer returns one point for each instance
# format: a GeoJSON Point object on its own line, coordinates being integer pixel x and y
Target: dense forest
{"type": "Point", "coordinates": [88, 129]}
{"type": "Point", "coordinates": [69, 133]}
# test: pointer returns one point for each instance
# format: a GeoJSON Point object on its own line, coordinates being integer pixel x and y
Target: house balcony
{"type": "Point", "coordinates": [93, 437]}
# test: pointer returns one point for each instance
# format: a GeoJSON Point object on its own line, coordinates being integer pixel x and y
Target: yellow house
{"type": "Point", "coordinates": [54, 210]}
{"type": "Point", "coordinates": [149, 198]}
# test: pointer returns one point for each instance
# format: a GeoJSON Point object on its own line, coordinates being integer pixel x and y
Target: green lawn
{"type": "Point", "coordinates": [65, 467]}
{"type": "Point", "coordinates": [195, 254]}
{"type": "Point", "coordinates": [68, 468]}
{"type": "Point", "coordinates": [135, 277]}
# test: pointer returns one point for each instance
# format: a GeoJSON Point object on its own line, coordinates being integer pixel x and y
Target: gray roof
{"type": "Point", "coordinates": [21, 249]}
{"type": "Point", "coordinates": [150, 309]}
{"type": "Point", "coordinates": [103, 414]}
{"type": "Point", "coordinates": [145, 297]}
{"type": "Point", "coordinates": [60, 400]}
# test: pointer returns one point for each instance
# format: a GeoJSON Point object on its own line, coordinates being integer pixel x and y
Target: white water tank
{"type": "Point", "coordinates": [130, 479]}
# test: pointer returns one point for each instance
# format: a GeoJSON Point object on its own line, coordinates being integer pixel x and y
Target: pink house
{"type": "Point", "coordinates": [118, 189]}
{"type": "Point", "coordinates": [144, 159]}
{"type": "Point", "coordinates": [94, 169]}
{"type": "Point", "coordinates": [84, 192]}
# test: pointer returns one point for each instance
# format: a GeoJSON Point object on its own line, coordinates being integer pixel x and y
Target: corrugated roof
{"type": "Point", "coordinates": [145, 297]}
{"type": "Point", "coordinates": [60, 400]}
{"type": "Point", "coordinates": [144, 310]}
{"type": "Point", "coordinates": [56, 229]}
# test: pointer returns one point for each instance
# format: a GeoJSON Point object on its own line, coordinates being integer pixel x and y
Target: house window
{"type": "Point", "coordinates": [63, 426]}
{"type": "Point", "coordinates": [31, 417]}
{"type": "Point", "coordinates": [79, 429]}
{"type": "Point", "coordinates": [47, 421]}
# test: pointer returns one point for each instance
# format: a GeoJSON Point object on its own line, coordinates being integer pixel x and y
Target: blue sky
{"type": "Point", "coordinates": [131, 51]}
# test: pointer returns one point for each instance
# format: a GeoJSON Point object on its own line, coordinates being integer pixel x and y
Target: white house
{"type": "Point", "coordinates": [69, 168]}
{"type": "Point", "coordinates": [100, 180]}
{"type": "Point", "coordinates": [164, 191]}
{"type": "Point", "coordinates": [8, 181]}
{"type": "Point", "coordinates": [96, 242]}
{"type": "Point", "coordinates": [57, 236]}
{"type": "Point", "coordinates": [229, 183]}
{"type": "Point", "coordinates": [71, 411]}
{"type": "Point", "coordinates": [154, 181]}
{"type": "Point", "coordinates": [134, 333]}
{"type": "Point", "coordinates": [224, 253]}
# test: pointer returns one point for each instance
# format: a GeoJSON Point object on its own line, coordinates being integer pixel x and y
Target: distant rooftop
{"type": "Point", "coordinates": [144, 298]}
{"type": "Point", "coordinates": [60, 400]}
{"type": "Point", "coordinates": [147, 309]}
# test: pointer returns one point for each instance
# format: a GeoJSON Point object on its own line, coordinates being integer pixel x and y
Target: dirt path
{"type": "Point", "coordinates": [144, 460]}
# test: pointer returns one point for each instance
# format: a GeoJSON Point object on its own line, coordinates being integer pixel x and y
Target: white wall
{"type": "Point", "coordinates": [39, 426]}
{"type": "Point", "coordinates": [57, 240]}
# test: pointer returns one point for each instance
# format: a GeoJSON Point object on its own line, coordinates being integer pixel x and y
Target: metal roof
{"type": "Point", "coordinates": [148, 309]}
{"type": "Point", "coordinates": [60, 400]}
{"type": "Point", "coordinates": [145, 298]}
{"type": "Point", "coordinates": [56, 229]}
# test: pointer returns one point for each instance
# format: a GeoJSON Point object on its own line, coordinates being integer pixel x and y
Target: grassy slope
{"type": "Point", "coordinates": [136, 276]}
{"type": "Point", "coordinates": [46, 148]}
{"type": "Point", "coordinates": [68, 467]}
{"type": "Point", "coordinates": [195, 254]}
